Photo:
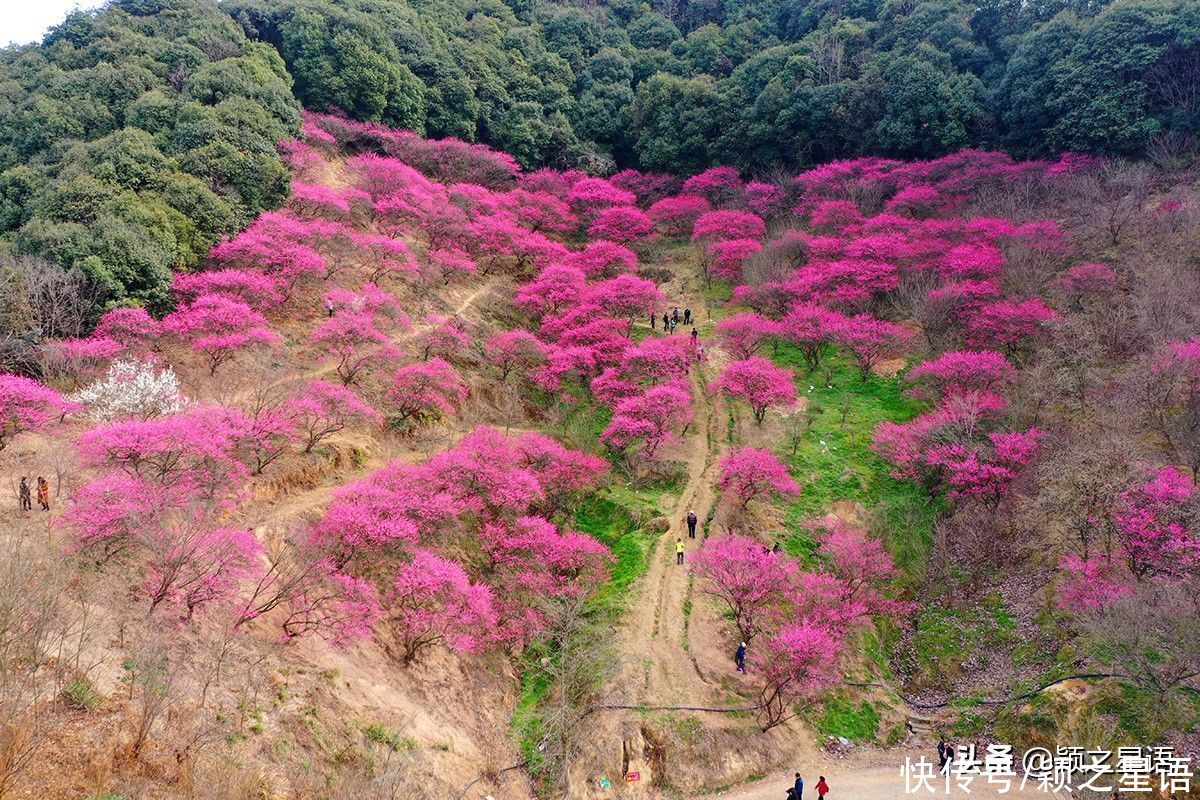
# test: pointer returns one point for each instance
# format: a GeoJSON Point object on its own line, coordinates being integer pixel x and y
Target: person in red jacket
{"type": "Point", "coordinates": [822, 788]}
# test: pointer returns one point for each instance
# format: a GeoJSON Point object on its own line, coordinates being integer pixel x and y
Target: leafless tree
{"type": "Point", "coordinates": [40, 300]}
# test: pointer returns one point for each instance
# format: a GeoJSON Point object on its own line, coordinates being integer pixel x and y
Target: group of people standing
{"type": "Point", "coordinates": [670, 321]}
{"type": "Point", "coordinates": [797, 790]}
{"type": "Point", "coordinates": [26, 496]}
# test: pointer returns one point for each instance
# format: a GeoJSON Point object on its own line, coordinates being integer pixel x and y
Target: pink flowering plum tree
{"type": "Point", "coordinates": [352, 341]}
{"type": "Point", "coordinates": [1091, 584]}
{"type": "Point", "coordinates": [719, 185]}
{"type": "Point", "coordinates": [321, 409]}
{"type": "Point", "coordinates": [256, 289]}
{"type": "Point", "coordinates": [1009, 324]}
{"type": "Point", "coordinates": [797, 664]}
{"type": "Point", "coordinates": [758, 382]}
{"type": "Point", "coordinates": [645, 422]}
{"type": "Point", "coordinates": [675, 216]}
{"type": "Point", "coordinates": [765, 199]}
{"type": "Point", "coordinates": [589, 196]}
{"type": "Point", "coordinates": [441, 337]}
{"type": "Point", "coordinates": [425, 390]}
{"type": "Point", "coordinates": [812, 328]}
{"type": "Point", "coordinates": [860, 562]}
{"type": "Point", "coordinates": [446, 265]}
{"type": "Point", "coordinates": [744, 334]}
{"type": "Point", "coordinates": [26, 406]}
{"type": "Point", "coordinates": [432, 601]}
{"type": "Point", "coordinates": [132, 328]}
{"type": "Point", "coordinates": [514, 350]}
{"type": "Point", "coordinates": [622, 224]}
{"type": "Point", "coordinates": [1155, 522]}
{"type": "Point", "coordinates": [750, 580]}
{"type": "Point", "coordinates": [723, 225]}
{"type": "Point", "coordinates": [626, 297]}
{"type": "Point", "coordinates": [751, 474]}
{"type": "Point", "coordinates": [604, 259]}
{"type": "Point", "coordinates": [871, 341]}
{"type": "Point", "coordinates": [198, 451]}
{"type": "Point", "coordinates": [959, 371]}
{"type": "Point", "coordinates": [556, 288]}
{"type": "Point", "coordinates": [727, 257]}
{"type": "Point", "coordinates": [219, 327]}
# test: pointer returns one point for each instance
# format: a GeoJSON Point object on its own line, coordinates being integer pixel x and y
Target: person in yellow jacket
{"type": "Point", "coordinates": [679, 551]}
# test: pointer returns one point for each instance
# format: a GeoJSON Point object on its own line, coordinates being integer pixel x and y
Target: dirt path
{"type": "Point", "coordinates": [657, 668]}
{"type": "Point", "coordinates": [872, 775]}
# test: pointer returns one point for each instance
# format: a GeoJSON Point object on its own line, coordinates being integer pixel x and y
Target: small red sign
{"type": "Point", "coordinates": [630, 777]}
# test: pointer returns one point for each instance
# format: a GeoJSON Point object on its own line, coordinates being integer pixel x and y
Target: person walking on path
{"type": "Point", "coordinates": [43, 490]}
{"type": "Point", "coordinates": [687, 316]}
{"type": "Point", "coordinates": [679, 551]}
{"type": "Point", "coordinates": [695, 336]}
{"type": "Point", "coordinates": [653, 319]}
{"type": "Point", "coordinates": [740, 657]}
{"type": "Point", "coordinates": [666, 322]}
{"type": "Point", "coordinates": [675, 316]}
{"type": "Point", "coordinates": [23, 493]}
{"type": "Point", "coordinates": [941, 751]}
{"type": "Point", "coordinates": [691, 521]}
{"type": "Point", "coordinates": [798, 788]}
{"type": "Point", "coordinates": [822, 788]}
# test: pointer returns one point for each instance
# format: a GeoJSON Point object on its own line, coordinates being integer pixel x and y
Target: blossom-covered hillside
{"type": "Point", "coordinates": [395, 499]}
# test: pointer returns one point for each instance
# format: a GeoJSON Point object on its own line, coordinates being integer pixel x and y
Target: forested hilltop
{"type": "Point", "coordinates": [135, 137]}
{"type": "Point", "coordinates": [678, 86]}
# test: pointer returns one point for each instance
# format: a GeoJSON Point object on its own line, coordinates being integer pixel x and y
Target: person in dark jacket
{"type": "Point", "coordinates": [691, 522]}
{"type": "Point", "coordinates": [695, 335]}
{"type": "Point", "coordinates": [740, 657]}
{"type": "Point", "coordinates": [653, 320]}
{"type": "Point", "coordinates": [941, 751]}
{"type": "Point", "coordinates": [675, 316]}
{"type": "Point", "coordinates": [666, 321]}
{"type": "Point", "coordinates": [798, 788]}
{"type": "Point", "coordinates": [25, 497]}
{"type": "Point", "coordinates": [687, 316]}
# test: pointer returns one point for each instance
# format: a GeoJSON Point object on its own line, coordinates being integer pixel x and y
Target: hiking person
{"type": "Point", "coordinates": [691, 521]}
{"type": "Point", "coordinates": [653, 320]}
{"type": "Point", "coordinates": [798, 788]}
{"type": "Point", "coordinates": [679, 551]}
{"type": "Point", "coordinates": [695, 335]}
{"type": "Point", "coordinates": [43, 491]}
{"type": "Point", "coordinates": [329, 307]}
{"type": "Point", "coordinates": [699, 352]}
{"type": "Point", "coordinates": [675, 315]}
{"type": "Point", "coordinates": [822, 788]}
{"type": "Point", "coordinates": [666, 322]}
{"type": "Point", "coordinates": [777, 547]}
{"type": "Point", "coordinates": [941, 751]}
{"type": "Point", "coordinates": [949, 757]}
{"type": "Point", "coordinates": [23, 493]}
{"type": "Point", "coordinates": [687, 316]}
{"type": "Point", "coordinates": [740, 657]}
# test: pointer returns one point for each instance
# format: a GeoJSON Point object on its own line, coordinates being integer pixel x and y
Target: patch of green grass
{"type": "Point", "coordinates": [841, 716]}
{"type": "Point", "coordinates": [946, 637]}
{"type": "Point", "coordinates": [393, 740]}
{"type": "Point", "coordinates": [81, 695]}
{"type": "Point", "coordinates": [834, 461]}
{"type": "Point", "coordinates": [609, 522]}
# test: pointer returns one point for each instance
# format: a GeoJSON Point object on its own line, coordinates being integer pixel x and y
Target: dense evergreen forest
{"type": "Point", "coordinates": [134, 137]}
